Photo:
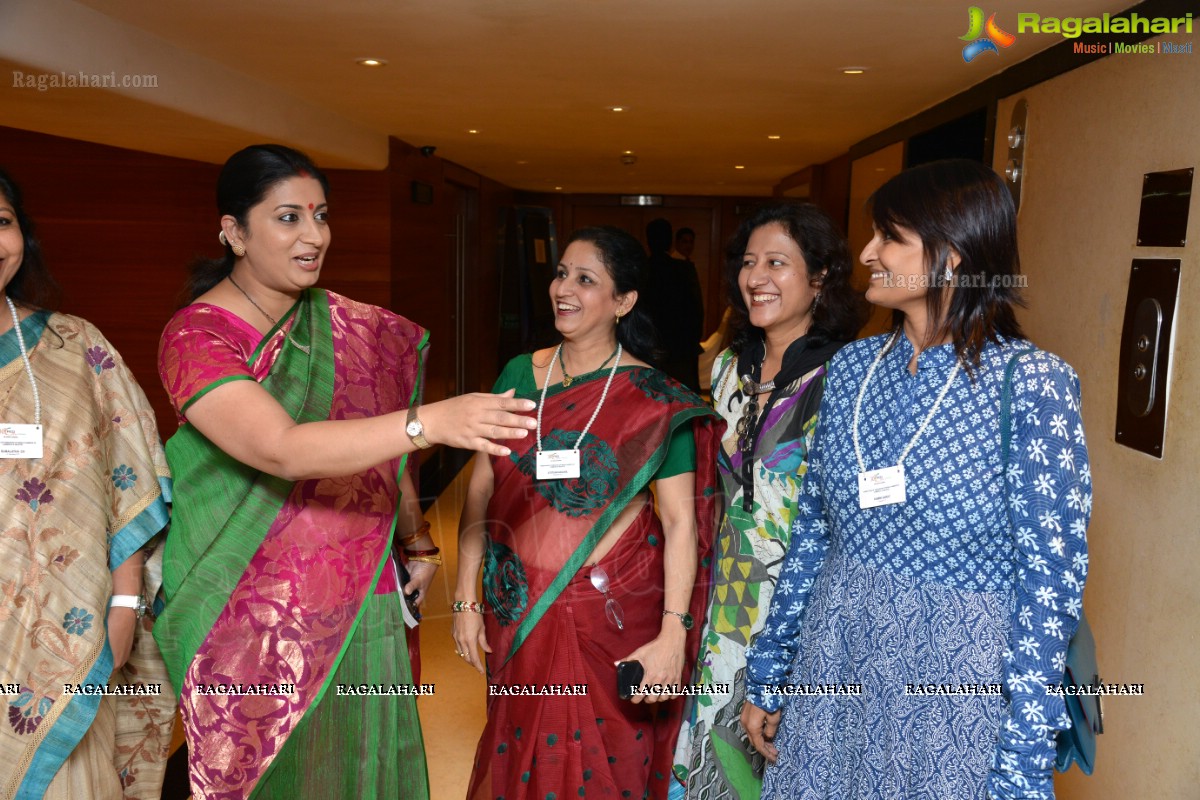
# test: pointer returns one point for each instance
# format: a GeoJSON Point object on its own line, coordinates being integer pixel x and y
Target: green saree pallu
{"type": "Point", "coordinates": [271, 585]}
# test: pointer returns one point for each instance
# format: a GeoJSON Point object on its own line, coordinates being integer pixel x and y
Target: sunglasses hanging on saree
{"type": "Point", "coordinates": [612, 608]}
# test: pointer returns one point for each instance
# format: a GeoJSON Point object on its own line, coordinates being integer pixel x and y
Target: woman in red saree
{"type": "Point", "coordinates": [297, 411]}
{"type": "Point", "coordinates": [581, 572]}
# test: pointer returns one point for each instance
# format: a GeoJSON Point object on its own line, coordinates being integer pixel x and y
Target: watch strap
{"type": "Point", "coordinates": [684, 617]}
{"type": "Point", "coordinates": [418, 438]}
{"type": "Point", "coordinates": [134, 601]}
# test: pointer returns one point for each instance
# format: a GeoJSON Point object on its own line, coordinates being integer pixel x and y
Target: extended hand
{"type": "Point", "coordinates": [471, 421]}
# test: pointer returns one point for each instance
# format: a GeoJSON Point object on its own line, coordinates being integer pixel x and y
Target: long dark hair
{"type": "Point", "coordinates": [31, 285]}
{"type": "Point", "coordinates": [625, 260]}
{"type": "Point", "coordinates": [963, 206]}
{"type": "Point", "coordinates": [840, 312]}
{"type": "Point", "coordinates": [245, 179]}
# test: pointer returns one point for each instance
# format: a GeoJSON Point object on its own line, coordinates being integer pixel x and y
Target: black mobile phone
{"type": "Point", "coordinates": [629, 677]}
{"type": "Point", "coordinates": [410, 600]}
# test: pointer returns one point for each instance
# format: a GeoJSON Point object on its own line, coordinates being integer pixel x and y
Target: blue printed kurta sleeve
{"type": "Point", "coordinates": [769, 657]}
{"type": "Point", "coordinates": [1050, 502]}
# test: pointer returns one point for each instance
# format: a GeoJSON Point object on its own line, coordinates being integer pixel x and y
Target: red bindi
{"type": "Point", "coordinates": [303, 173]}
{"type": "Point", "coordinates": [310, 206]}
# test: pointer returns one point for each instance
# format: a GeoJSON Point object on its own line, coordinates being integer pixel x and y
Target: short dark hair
{"type": "Point", "coordinates": [245, 179]}
{"type": "Point", "coordinates": [31, 285]}
{"type": "Point", "coordinates": [961, 206]}
{"type": "Point", "coordinates": [684, 232]}
{"type": "Point", "coordinates": [840, 312]}
{"type": "Point", "coordinates": [658, 235]}
{"type": "Point", "coordinates": [625, 260]}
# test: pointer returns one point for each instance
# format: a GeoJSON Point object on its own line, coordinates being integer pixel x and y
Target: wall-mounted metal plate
{"type": "Point", "coordinates": [1146, 354]}
{"type": "Point", "coordinates": [1166, 198]}
{"type": "Point", "coordinates": [1014, 165]}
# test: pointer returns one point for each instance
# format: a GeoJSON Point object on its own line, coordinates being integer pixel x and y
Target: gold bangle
{"type": "Point", "coordinates": [435, 560]}
{"type": "Point", "coordinates": [405, 541]}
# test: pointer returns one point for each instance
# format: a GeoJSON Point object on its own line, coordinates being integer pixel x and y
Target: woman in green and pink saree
{"type": "Point", "coordinates": [297, 410]}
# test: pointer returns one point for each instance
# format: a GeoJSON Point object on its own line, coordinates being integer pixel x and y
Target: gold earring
{"type": "Point", "coordinates": [238, 250]}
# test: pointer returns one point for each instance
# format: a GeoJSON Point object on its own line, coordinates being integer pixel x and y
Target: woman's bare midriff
{"type": "Point", "coordinates": [619, 526]}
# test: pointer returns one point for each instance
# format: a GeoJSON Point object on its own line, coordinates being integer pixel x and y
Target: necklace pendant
{"type": "Point", "coordinates": [567, 380]}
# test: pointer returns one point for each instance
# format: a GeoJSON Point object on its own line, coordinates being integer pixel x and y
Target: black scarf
{"type": "Point", "coordinates": [801, 357]}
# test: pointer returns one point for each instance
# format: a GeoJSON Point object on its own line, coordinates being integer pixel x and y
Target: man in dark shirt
{"type": "Point", "coordinates": [672, 297]}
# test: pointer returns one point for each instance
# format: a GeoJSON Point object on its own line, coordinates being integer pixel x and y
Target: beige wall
{"type": "Point", "coordinates": [866, 175]}
{"type": "Point", "coordinates": [1093, 132]}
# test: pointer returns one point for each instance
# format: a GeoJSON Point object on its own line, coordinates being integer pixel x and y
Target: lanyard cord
{"type": "Point", "coordinates": [37, 398]}
{"type": "Point", "coordinates": [928, 417]}
{"type": "Point", "coordinates": [603, 396]}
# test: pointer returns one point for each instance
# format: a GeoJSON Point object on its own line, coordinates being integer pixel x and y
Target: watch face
{"type": "Point", "coordinates": [413, 428]}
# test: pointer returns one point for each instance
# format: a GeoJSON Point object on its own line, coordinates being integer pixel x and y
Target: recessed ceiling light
{"type": "Point", "coordinates": [558, 188]}
{"type": "Point", "coordinates": [739, 166]}
{"type": "Point", "coordinates": [618, 108]}
{"type": "Point", "coordinates": [370, 62]}
{"type": "Point", "coordinates": [472, 130]}
{"type": "Point", "coordinates": [853, 70]}
{"type": "Point", "coordinates": [772, 135]}
{"type": "Point", "coordinates": [628, 152]}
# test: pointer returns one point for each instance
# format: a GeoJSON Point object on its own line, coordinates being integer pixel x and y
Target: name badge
{"type": "Point", "coordinates": [553, 465]}
{"type": "Point", "coordinates": [20, 440]}
{"type": "Point", "coordinates": [881, 487]}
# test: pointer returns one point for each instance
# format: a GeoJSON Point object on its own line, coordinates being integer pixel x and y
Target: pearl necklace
{"type": "Point", "coordinates": [301, 347]}
{"type": "Point", "coordinates": [37, 398]}
{"type": "Point", "coordinates": [603, 397]}
{"type": "Point", "coordinates": [928, 417]}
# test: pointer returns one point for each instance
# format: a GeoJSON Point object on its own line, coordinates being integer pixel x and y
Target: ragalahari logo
{"type": "Point", "coordinates": [983, 37]}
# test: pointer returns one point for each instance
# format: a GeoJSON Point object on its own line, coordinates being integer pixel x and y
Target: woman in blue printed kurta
{"type": "Point", "coordinates": [951, 607]}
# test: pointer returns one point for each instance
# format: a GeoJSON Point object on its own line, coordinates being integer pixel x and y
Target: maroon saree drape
{"type": "Point", "coordinates": [548, 625]}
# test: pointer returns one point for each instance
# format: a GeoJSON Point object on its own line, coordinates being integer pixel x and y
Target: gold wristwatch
{"type": "Point", "coordinates": [415, 430]}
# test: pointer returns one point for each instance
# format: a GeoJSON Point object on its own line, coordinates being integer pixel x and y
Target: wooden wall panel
{"type": "Point", "coordinates": [119, 228]}
{"type": "Point", "coordinates": [358, 263]}
{"type": "Point", "coordinates": [483, 292]}
{"type": "Point", "coordinates": [422, 260]}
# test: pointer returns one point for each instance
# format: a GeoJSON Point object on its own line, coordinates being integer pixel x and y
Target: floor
{"type": "Point", "coordinates": [453, 717]}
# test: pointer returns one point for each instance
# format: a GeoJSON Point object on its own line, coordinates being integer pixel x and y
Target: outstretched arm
{"type": "Point", "coordinates": [245, 421]}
